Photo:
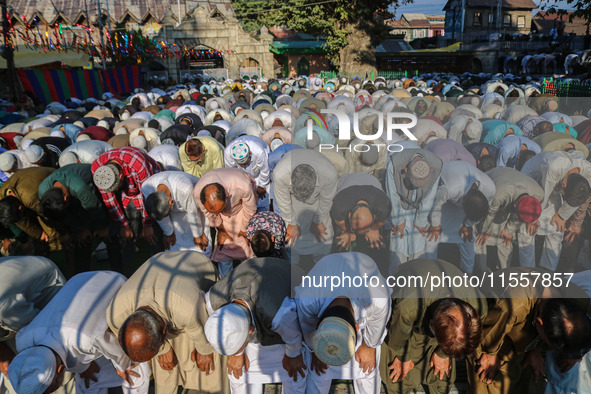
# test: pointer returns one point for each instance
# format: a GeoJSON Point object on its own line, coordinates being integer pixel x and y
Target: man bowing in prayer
{"type": "Point", "coordinates": [227, 197]}
{"type": "Point", "coordinates": [159, 314]}
{"type": "Point", "coordinates": [253, 321]}
{"type": "Point", "coordinates": [344, 324]}
{"type": "Point", "coordinates": [71, 334]}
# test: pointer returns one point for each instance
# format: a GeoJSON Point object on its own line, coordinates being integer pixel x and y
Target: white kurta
{"type": "Point", "coordinates": [457, 177]}
{"type": "Point", "coordinates": [258, 167]}
{"type": "Point", "coordinates": [412, 241]}
{"type": "Point", "coordinates": [316, 209]}
{"type": "Point", "coordinates": [168, 156]}
{"type": "Point", "coordinates": [266, 362]}
{"type": "Point", "coordinates": [88, 151]}
{"type": "Point", "coordinates": [74, 325]}
{"type": "Point", "coordinates": [185, 220]}
{"type": "Point", "coordinates": [27, 284]}
{"type": "Point", "coordinates": [371, 310]}
{"type": "Point", "coordinates": [578, 378]}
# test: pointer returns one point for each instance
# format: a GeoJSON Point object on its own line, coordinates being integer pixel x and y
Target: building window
{"type": "Point", "coordinates": [477, 19]}
{"type": "Point", "coordinates": [491, 19]}
{"type": "Point", "coordinates": [506, 20]}
{"type": "Point", "coordinates": [521, 21]}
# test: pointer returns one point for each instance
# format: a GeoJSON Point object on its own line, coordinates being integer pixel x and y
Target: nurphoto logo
{"type": "Point", "coordinates": [344, 131]}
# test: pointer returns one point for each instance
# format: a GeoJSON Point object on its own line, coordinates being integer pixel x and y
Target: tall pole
{"type": "Point", "coordinates": [88, 25]}
{"type": "Point", "coordinates": [108, 16]}
{"type": "Point", "coordinates": [180, 17]}
{"type": "Point", "coordinates": [100, 22]}
{"type": "Point", "coordinates": [8, 53]}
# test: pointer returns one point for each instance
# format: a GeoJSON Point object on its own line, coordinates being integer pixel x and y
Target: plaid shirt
{"type": "Point", "coordinates": [137, 166]}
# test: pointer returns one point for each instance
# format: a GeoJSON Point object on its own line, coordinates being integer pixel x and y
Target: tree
{"type": "Point", "coordinates": [581, 9]}
{"type": "Point", "coordinates": [333, 20]}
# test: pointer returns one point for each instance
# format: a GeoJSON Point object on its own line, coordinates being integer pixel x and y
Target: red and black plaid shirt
{"type": "Point", "coordinates": [137, 166]}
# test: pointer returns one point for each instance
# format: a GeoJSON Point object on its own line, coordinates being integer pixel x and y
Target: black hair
{"type": "Point", "coordinates": [149, 324]}
{"type": "Point", "coordinates": [524, 156]}
{"type": "Point", "coordinates": [157, 205]}
{"type": "Point", "coordinates": [10, 212]}
{"type": "Point", "coordinates": [154, 124]}
{"type": "Point", "coordinates": [53, 206]}
{"type": "Point", "coordinates": [577, 190]}
{"type": "Point", "coordinates": [567, 327]}
{"type": "Point", "coordinates": [220, 192]}
{"type": "Point", "coordinates": [475, 205]}
{"type": "Point", "coordinates": [486, 163]}
{"type": "Point", "coordinates": [262, 243]}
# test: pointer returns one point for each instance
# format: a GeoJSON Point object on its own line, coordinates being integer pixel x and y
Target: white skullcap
{"type": "Point", "coordinates": [34, 153]}
{"type": "Point", "coordinates": [103, 123]}
{"type": "Point", "coordinates": [227, 329]}
{"type": "Point", "coordinates": [32, 370]}
{"type": "Point", "coordinates": [275, 143]}
{"type": "Point", "coordinates": [139, 141]}
{"type": "Point", "coordinates": [107, 178]}
{"type": "Point", "coordinates": [83, 137]}
{"type": "Point", "coordinates": [67, 158]}
{"type": "Point", "coordinates": [240, 152]}
{"type": "Point", "coordinates": [334, 341]}
{"type": "Point", "coordinates": [79, 124]}
{"type": "Point", "coordinates": [57, 133]}
{"type": "Point", "coordinates": [7, 160]}
{"type": "Point", "coordinates": [27, 143]}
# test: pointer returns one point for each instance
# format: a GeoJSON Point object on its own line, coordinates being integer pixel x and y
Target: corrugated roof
{"type": "Point", "coordinates": [411, 17]}
{"type": "Point", "coordinates": [420, 24]}
{"type": "Point", "coordinates": [399, 23]}
{"type": "Point", "coordinates": [71, 9]}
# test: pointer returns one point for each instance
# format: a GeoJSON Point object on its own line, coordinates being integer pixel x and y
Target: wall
{"type": "Point", "coordinates": [318, 63]}
{"type": "Point", "coordinates": [198, 28]}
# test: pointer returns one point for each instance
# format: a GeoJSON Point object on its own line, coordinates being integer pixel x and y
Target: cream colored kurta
{"type": "Point", "coordinates": [173, 284]}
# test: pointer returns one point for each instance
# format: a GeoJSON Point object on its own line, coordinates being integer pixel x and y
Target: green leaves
{"type": "Point", "coordinates": [331, 20]}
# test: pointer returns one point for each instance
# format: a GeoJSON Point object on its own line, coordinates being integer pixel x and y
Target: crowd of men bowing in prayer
{"type": "Point", "coordinates": [241, 189]}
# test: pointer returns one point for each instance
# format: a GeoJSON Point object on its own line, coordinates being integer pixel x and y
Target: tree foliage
{"type": "Point", "coordinates": [581, 9]}
{"type": "Point", "coordinates": [332, 20]}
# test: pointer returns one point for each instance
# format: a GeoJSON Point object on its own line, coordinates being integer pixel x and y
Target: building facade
{"type": "Point", "coordinates": [477, 20]}
{"type": "Point", "coordinates": [196, 24]}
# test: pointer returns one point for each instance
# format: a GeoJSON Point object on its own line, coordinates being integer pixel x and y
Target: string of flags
{"type": "Point", "coordinates": [119, 46]}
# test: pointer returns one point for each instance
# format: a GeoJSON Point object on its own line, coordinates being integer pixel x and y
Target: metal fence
{"type": "Point", "coordinates": [573, 96]}
{"type": "Point", "coordinates": [370, 75]}
{"type": "Point", "coordinates": [251, 72]}
{"type": "Point", "coordinates": [215, 73]}
{"type": "Point", "coordinates": [566, 88]}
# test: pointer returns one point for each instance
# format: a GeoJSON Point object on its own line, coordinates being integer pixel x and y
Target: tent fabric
{"type": "Point", "coordinates": [60, 85]}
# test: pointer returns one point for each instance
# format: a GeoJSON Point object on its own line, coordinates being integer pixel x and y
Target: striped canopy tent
{"type": "Point", "coordinates": [60, 85]}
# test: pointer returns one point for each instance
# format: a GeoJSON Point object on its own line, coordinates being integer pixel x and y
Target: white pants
{"type": "Point", "coordinates": [467, 253]}
{"type": "Point", "coordinates": [108, 378]}
{"type": "Point", "coordinates": [452, 219]}
{"type": "Point", "coordinates": [363, 383]}
{"type": "Point", "coordinates": [504, 253]}
{"type": "Point", "coordinates": [552, 239]}
{"type": "Point", "coordinates": [266, 366]}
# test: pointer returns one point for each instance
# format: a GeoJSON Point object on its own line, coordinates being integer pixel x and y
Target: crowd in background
{"type": "Point", "coordinates": [209, 202]}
